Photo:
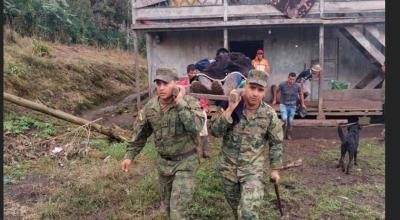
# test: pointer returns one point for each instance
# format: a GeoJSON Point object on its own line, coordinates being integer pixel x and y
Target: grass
{"type": "Point", "coordinates": [18, 170]}
{"type": "Point", "coordinates": [110, 194]}
{"type": "Point", "coordinates": [208, 198]}
{"type": "Point", "coordinates": [47, 71]}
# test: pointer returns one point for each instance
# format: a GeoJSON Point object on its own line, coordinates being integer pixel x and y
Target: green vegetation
{"type": "Point", "coordinates": [116, 150]}
{"type": "Point", "coordinates": [41, 49]}
{"type": "Point", "coordinates": [21, 124]}
{"type": "Point", "coordinates": [18, 170]}
{"type": "Point", "coordinates": [208, 199]}
{"type": "Point", "coordinates": [88, 22]}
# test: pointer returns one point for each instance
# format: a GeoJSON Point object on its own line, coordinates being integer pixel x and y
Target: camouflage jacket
{"type": "Point", "coordinates": [175, 130]}
{"type": "Point", "coordinates": [244, 144]}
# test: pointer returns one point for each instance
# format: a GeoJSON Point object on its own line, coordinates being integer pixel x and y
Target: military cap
{"type": "Point", "coordinates": [257, 76]}
{"type": "Point", "coordinates": [166, 75]}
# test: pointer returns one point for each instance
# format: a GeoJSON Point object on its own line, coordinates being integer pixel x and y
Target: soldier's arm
{"type": "Point", "coordinates": [190, 114]}
{"type": "Point", "coordinates": [220, 122]}
{"type": "Point", "coordinates": [142, 130]}
{"type": "Point", "coordinates": [275, 137]}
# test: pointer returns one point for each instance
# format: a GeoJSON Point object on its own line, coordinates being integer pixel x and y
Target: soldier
{"type": "Point", "coordinates": [246, 125]}
{"type": "Point", "coordinates": [175, 123]}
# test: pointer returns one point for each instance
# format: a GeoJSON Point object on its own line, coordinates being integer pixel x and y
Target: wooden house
{"type": "Point", "coordinates": [347, 38]}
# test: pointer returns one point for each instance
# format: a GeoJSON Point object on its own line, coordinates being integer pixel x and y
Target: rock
{"type": "Point", "coordinates": [7, 180]}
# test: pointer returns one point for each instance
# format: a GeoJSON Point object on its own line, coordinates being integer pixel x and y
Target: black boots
{"type": "Point", "coordinates": [287, 130]}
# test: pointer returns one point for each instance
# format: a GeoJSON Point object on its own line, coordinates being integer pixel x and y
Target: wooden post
{"type": "Point", "coordinates": [225, 20]}
{"type": "Point", "coordinates": [150, 69]}
{"type": "Point", "coordinates": [133, 7]}
{"type": "Point", "coordinates": [225, 10]}
{"type": "Point", "coordinates": [226, 38]}
{"type": "Point", "coordinates": [321, 76]}
{"type": "Point", "coordinates": [136, 51]}
{"type": "Point", "coordinates": [137, 74]}
{"type": "Point", "coordinates": [321, 8]}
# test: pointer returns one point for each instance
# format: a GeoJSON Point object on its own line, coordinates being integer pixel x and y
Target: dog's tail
{"type": "Point", "coordinates": [341, 134]}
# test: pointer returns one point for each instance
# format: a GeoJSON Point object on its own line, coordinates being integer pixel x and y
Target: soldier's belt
{"type": "Point", "coordinates": [179, 157]}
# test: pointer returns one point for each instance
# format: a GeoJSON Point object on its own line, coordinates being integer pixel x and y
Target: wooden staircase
{"type": "Point", "coordinates": [368, 39]}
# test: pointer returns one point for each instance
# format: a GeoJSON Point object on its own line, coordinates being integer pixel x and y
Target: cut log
{"type": "Point", "coordinates": [113, 131]}
{"type": "Point", "coordinates": [296, 163]}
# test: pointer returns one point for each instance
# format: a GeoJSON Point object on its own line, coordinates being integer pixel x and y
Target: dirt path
{"type": "Point", "coordinates": [121, 113]}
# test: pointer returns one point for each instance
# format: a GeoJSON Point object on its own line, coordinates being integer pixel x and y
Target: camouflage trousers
{"type": "Point", "coordinates": [245, 197]}
{"type": "Point", "coordinates": [177, 192]}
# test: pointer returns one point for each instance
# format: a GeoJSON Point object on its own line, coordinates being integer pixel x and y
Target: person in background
{"type": "Point", "coordinates": [305, 77]}
{"type": "Point", "coordinates": [260, 63]}
{"type": "Point", "coordinates": [290, 93]}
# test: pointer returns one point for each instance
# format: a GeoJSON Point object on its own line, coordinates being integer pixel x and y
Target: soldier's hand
{"type": "Point", "coordinates": [234, 99]}
{"type": "Point", "coordinates": [181, 94]}
{"type": "Point", "coordinates": [275, 176]}
{"type": "Point", "coordinates": [125, 164]}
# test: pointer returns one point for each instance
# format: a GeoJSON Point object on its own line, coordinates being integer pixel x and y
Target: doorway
{"type": "Point", "coordinates": [248, 48]}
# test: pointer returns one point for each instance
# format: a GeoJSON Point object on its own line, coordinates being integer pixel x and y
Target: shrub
{"type": "Point", "coordinates": [41, 49]}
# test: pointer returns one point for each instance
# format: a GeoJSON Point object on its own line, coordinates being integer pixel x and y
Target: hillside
{"type": "Point", "coordinates": [70, 78]}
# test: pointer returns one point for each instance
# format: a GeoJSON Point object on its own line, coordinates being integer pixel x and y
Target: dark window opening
{"type": "Point", "coordinates": [248, 48]}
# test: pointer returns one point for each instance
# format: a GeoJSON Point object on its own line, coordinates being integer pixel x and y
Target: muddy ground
{"type": "Point", "coordinates": [308, 143]}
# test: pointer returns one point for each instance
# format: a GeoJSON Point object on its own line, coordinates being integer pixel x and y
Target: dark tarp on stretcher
{"type": "Point", "coordinates": [225, 64]}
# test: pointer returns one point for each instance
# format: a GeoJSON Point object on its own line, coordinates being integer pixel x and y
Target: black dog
{"type": "Point", "coordinates": [349, 144]}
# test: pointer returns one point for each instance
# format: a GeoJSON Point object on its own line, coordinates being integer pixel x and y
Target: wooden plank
{"type": "Point", "coordinates": [232, 11]}
{"type": "Point", "coordinates": [352, 113]}
{"type": "Point", "coordinates": [366, 44]}
{"type": "Point", "coordinates": [181, 12]}
{"type": "Point", "coordinates": [354, 7]}
{"type": "Point", "coordinates": [199, 25]}
{"type": "Point", "coordinates": [375, 82]}
{"type": "Point", "coordinates": [144, 3]}
{"type": "Point", "coordinates": [318, 123]}
{"type": "Point", "coordinates": [378, 35]}
{"type": "Point", "coordinates": [352, 95]}
{"type": "Point", "coordinates": [359, 105]}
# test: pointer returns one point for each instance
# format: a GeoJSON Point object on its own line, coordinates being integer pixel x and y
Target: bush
{"type": "Point", "coordinates": [41, 49]}
{"type": "Point", "coordinates": [14, 68]}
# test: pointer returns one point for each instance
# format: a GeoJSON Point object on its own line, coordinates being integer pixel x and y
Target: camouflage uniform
{"type": "Point", "coordinates": [241, 162]}
{"type": "Point", "coordinates": [175, 135]}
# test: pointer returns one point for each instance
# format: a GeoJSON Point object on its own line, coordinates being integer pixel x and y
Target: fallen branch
{"type": "Point", "coordinates": [114, 131]}
{"type": "Point", "coordinates": [69, 132]}
{"type": "Point", "coordinates": [296, 163]}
